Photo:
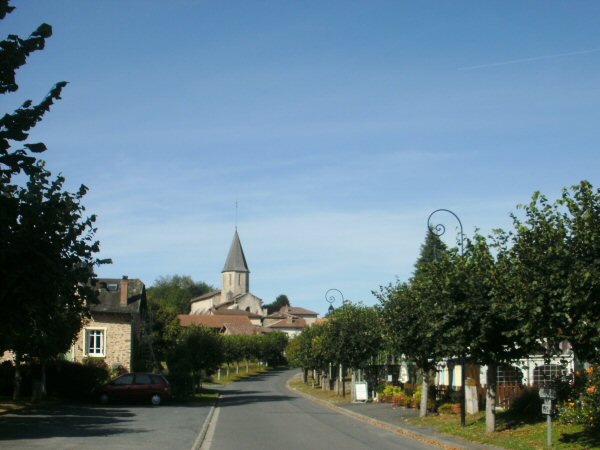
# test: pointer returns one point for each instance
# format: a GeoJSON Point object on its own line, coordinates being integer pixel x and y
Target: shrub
{"type": "Point", "coordinates": [95, 362]}
{"type": "Point", "coordinates": [446, 408]}
{"type": "Point", "coordinates": [527, 406]}
{"type": "Point", "coordinates": [116, 370]}
{"type": "Point", "coordinates": [584, 406]}
{"type": "Point", "coordinates": [67, 379]}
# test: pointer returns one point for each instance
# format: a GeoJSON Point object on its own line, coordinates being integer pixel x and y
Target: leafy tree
{"type": "Point", "coordinates": [420, 318]}
{"type": "Point", "coordinates": [279, 303]}
{"type": "Point", "coordinates": [272, 347]}
{"type": "Point", "coordinates": [170, 296]}
{"type": "Point", "coordinates": [492, 325]}
{"type": "Point", "coordinates": [352, 335]}
{"type": "Point", "coordinates": [192, 350]}
{"type": "Point", "coordinates": [581, 324]}
{"type": "Point", "coordinates": [306, 350]}
{"type": "Point", "coordinates": [47, 257]}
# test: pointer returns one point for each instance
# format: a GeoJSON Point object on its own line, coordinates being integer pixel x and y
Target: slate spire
{"type": "Point", "coordinates": [236, 261]}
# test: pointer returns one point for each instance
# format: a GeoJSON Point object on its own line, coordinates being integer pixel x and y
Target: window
{"type": "Point", "coordinates": [509, 375]}
{"type": "Point", "coordinates": [143, 378]}
{"type": "Point", "coordinates": [95, 342]}
{"type": "Point", "coordinates": [124, 380]}
{"type": "Point", "coordinates": [547, 374]}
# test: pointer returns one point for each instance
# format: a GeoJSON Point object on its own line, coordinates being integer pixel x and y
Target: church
{"type": "Point", "coordinates": [235, 293]}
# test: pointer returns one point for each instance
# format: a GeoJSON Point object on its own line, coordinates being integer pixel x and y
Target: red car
{"type": "Point", "coordinates": [138, 386]}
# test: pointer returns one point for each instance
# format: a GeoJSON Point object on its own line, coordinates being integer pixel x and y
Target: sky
{"type": "Point", "coordinates": [337, 127]}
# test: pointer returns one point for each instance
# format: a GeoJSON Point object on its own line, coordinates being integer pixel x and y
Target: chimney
{"type": "Point", "coordinates": [123, 288]}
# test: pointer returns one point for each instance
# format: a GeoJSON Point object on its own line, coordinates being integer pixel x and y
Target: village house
{"type": "Point", "coordinates": [115, 331]}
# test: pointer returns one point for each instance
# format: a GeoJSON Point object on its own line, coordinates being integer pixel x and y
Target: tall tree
{"type": "Point", "coordinates": [420, 319]}
{"type": "Point", "coordinates": [47, 257]}
{"type": "Point", "coordinates": [169, 296]}
{"type": "Point", "coordinates": [281, 301]}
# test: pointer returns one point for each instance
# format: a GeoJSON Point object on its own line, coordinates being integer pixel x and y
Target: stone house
{"type": "Point", "coordinates": [115, 332]}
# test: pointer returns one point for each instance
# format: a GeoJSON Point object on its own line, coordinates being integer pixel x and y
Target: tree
{"type": "Point", "coordinates": [192, 350]}
{"type": "Point", "coordinates": [581, 325]}
{"type": "Point", "coordinates": [279, 303]}
{"type": "Point", "coordinates": [170, 296]}
{"type": "Point", "coordinates": [352, 335]}
{"type": "Point", "coordinates": [306, 350]}
{"type": "Point", "coordinates": [47, 258]}
{"type": "Point", "coordinates": [492, 326]}
{"type": "Point", "coordinates": [420, 316]}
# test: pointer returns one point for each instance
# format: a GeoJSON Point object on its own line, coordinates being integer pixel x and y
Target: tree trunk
{"type": "Point", "coordinates": [343, 381]}
{"type": "Point", "coordinates": [424, 394]}
{"type": "Point", "coordinates": [490, 399]}
{"type": "Point", "coordinates": [18, 378]}
{"type": "Point", "coordinates": [237, 368]}
{"type": "Point", "coordinates": [305, 376]}
{"type": "Point", "coordinates": [227, 370]}
{"type": "Point", "coordinates": [353, 385]}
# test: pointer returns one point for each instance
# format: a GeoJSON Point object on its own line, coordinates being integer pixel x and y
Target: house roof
{"type": "Point", "coordinates": [216, 321]}
{"type": "Point", "coordinates": [109, 296]}
{"type": "Point", "coordinates": [205, 296]}
{"type": "Point", "coordinates": [244, 329]}
{"type": "Point", "coordinates": [233, 312]}
{"type": "Point", "coordinates": [297, 311]}
{"type": "Point", "coordinates": [285, 323]}
{"type": "Point", "coordinates": [236, 261]}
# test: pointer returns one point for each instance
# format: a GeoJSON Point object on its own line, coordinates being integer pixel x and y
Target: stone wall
{"type": "Point", "coordinates": [117, 339]}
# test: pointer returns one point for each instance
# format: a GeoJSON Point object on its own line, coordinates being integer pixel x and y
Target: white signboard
{"type": "Point", "coordinates": [547, 393]}
{"type": "Point", "coordinates": [360, 390]}
{"type": "Point", "coordinates": [547, 409]}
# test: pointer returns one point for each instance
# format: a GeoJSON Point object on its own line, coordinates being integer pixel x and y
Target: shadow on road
{"type": "Point", "coordinates": [80, 420]}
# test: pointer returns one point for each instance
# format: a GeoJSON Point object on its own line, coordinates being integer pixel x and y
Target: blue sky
{"type": "Point", "coordinates": [337, 126]}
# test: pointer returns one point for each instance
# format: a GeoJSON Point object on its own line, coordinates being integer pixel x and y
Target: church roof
{"type": "Point", "coordinates": [236, 261]}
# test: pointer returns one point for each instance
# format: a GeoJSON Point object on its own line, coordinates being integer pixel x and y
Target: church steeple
{"type": "Point", "coordinates": [236, 275]}
{"type": "Point", "coordinates": [236, 261]}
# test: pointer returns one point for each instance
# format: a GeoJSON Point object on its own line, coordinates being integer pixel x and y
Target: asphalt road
{"type": "Point", "coordinates": [261, 413]}
{"type": "Point", "coordinates": [84, 427]}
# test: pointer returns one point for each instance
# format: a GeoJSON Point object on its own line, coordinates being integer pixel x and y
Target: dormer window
{"type": "Point", "coordinates": [112, 287]}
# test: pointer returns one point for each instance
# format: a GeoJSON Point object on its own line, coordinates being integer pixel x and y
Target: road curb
{"type": "Point", "coordinates": [200, 439]}
{"type": "Point", "coordinates": [378, 423]}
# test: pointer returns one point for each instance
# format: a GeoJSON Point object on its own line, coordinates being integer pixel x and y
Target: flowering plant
{"type": "Point", "coordinates": [584, 406]}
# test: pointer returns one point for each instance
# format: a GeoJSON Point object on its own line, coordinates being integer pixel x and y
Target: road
{"type": "Point", "coordinates": [261, 413]}
{"type": "Point", "coordinates": [92, 427]}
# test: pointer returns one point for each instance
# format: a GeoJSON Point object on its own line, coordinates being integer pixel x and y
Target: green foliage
{"type": "Point", "coordinates": [281, 301]}
{"type": "Point", "coordinates": [527, 406]}
{"type": "Point", "coordinates": [584, 405]}
{"type": "Point", "coordinates": [352, 336]}
{"type": "Point", "coordinates": [47, 255]}
{"type": "Point", "coordinates": [170, 296]}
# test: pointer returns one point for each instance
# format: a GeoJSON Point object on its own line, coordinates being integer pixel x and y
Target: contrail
{"type": "Point", "coordinates": [536, 58]}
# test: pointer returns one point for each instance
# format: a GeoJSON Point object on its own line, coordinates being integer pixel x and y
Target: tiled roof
{"type": "Point", "coordinates": [242, 328]}
{"type": "Point", "coordinates": [109, 296]}
{"type": "Point", "coordinates": [205, 296]}
{"type": "Point", "coordinates": [234, 312]}
{"type": "Point", "coordinates": [297, 323]}
{"type": "Point", "coordinates": [216, 321]}
{"type": "Point", "coordinates": [297, 311]}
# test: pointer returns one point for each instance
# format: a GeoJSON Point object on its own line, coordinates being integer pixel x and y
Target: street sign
{"type": "Point", "coordinates": [547, 393]}
{"type": "Point", "coordinates": [547, 408]}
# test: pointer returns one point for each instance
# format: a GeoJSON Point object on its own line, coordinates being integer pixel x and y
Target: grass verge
{"type": "Point", "coordinates": [512, 434]}
{"type": "Point", "coordinates": [317, 392]}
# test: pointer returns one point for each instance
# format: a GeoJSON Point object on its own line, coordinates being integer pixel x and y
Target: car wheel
{"type": "Point", "coordinates": [156, 399]}
{"type": "Point", "coordinates": [104, 399]}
